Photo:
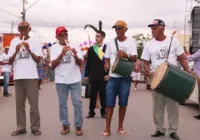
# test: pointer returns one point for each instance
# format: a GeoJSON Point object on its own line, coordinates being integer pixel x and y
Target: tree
{"type": "Point", "coordinates": [140, 41]}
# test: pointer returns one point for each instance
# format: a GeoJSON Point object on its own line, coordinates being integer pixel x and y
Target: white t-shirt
{"type": "Point", "coordinates": [67, 72]}
{"type": "Point", "coordinates": [5, 58]}
{"type": "Point", "coordinates": [24, 67]}
{"type": "Point", "coordinates": [128, 46]}
{"type": "Point", "coordinates": [157, 52]}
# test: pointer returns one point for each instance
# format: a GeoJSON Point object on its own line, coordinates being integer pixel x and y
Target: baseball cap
{"type": "Point", "coordinates": [120, 23]}
{"type": "Point", "coordinates": [157, 22]}
{"type": "Point", "coordinates": [60, 29]}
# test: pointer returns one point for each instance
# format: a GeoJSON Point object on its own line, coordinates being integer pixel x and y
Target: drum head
{"type": "Point", "coordinates": [115, 64]}
{"type": "Point", "coordinates": [159, 75]}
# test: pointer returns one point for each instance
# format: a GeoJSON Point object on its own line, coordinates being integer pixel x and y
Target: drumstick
{"type": "Point", "coordinates": [70, 48]}
{"type": "Point", "coordinates": [173, 33]}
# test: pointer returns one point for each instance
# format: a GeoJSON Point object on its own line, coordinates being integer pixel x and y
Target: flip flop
{"type": "Point", "coordinates": [122, 132]}
{"type": "Point", "coordinates": [36, 132]}
{"type": "Point", "coordinates": [105, 134]}
{"type": "Point", "coordinates": [19, 132]}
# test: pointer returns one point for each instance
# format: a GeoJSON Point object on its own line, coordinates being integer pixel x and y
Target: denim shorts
{"type": "Point", "coordinates": [41, 73]}
{"type": "Point", "coordinates": [118, 87]}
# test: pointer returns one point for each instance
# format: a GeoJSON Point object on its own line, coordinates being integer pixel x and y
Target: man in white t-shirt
{"type": "Point", "coordinates": [117, 85]}
{"type": "Point", "coordinates": [66, 59]}
{"type": "Point", "coordinates": [25, 52]}
{"type": "Point", "coordinates": [156, 51]}
{"type": "Point", "coordinates": [6, 69]}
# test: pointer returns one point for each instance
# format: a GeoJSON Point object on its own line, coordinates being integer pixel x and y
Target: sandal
{"type": "Point", "coordinates": [105, 134]}
{"type": "Point", "coordinates": [36, 132]}
{"type": "Point", "coordinates": [65, 130]}
{"type": "Point", "coordinates": [79, 131]}
{"type": "Point", "coordinates": [121, 132]}
{"type": "Point", "coordinates": [19, 132]}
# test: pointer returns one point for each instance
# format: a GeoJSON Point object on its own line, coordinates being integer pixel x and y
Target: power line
{"type": "Point", "coordinates": [32, 5]}
{"type": "Point", "coordinates": [9, 13]}
{"type": "Point", "coordinates": [38, 17]}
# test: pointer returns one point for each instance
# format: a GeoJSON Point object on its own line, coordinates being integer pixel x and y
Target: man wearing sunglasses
{"type": "Point", "coordinates": [66, 59]}
{"type": "Point", "coordinates": [25, 52]}
{"type": "Point", "coordinates": [117, 85]}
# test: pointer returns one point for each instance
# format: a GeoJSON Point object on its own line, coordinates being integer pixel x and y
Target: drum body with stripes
{"type": "Point", "coordinates": [173, 82]}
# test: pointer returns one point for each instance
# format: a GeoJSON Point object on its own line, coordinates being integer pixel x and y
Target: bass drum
{"type": "Point", "coordinates": [173, 82]}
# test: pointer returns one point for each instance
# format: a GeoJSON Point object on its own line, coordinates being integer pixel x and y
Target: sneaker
{"type": "Point", "coordinates": [135, 89]}
{"type": "Point", "coordinates": [174, 136]}
{"type": "Point", "coordinates": [7, 95]}
{"type": "Point", "coordinates": [158, 134]}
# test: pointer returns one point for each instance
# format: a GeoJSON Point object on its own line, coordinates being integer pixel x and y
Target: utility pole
{"type": "Point", "coordinates": [175, 25]}
{"type": "Point", "coordinates": [23, 11]}
{"type": "Point", "coordinates": [12, 25]}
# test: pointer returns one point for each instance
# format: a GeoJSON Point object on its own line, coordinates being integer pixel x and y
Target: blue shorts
{"type": "Point", "coordinates": [41, 73]}
{"type": "Point", "coordinates": [118, 87]}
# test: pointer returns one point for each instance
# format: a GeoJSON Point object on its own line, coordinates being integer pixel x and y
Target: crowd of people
{"type": "Point", "coordinates": [65, 61]}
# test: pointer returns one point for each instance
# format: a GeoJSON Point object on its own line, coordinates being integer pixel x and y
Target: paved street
{"type": "Point", "coordinates": [138, 123]}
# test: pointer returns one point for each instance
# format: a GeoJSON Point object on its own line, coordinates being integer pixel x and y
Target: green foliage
{"type": "Point", "coordinates": [140, 41]}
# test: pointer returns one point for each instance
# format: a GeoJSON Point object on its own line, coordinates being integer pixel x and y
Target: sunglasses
{"type": "Point", "coordinates": [23, 29]}
{"type": "Point", "coordinates": [119, 28]}
{"type": "Point", "coordinates": [62, 35]}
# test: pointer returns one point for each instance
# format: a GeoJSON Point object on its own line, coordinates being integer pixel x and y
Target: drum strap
{"type": "Point", "coordinates": [116, 44]}
{"type": "Point", "coordinates": [169, 48]}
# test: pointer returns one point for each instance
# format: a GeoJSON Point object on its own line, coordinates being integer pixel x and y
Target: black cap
{"type": "Point", "coordinates": [157, 22]}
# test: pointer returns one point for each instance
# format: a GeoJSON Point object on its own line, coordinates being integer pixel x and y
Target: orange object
{"type": "Point", "coordinates": [86, 48]}
{"type": "Point", "coordinates": [7, 38]}
{"type": "Point", "coordinates": [82, 49]}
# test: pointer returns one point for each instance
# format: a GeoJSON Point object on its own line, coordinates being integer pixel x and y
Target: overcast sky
{"type": "Point", "coordinates": [77, 13]}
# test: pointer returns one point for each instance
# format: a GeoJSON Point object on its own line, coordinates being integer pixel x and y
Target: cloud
{"type": "Point", "coordinates": [77, 13]}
